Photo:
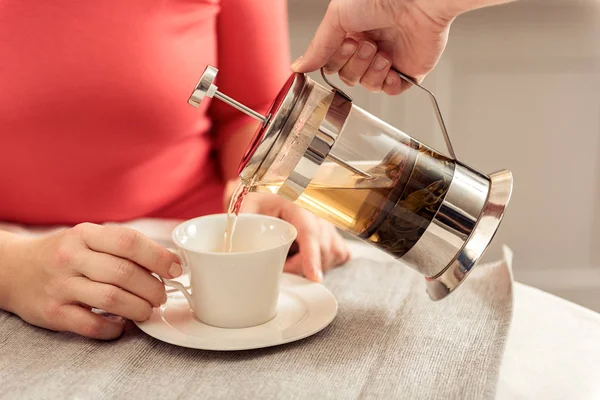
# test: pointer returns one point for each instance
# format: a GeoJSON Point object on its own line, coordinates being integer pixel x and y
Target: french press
{"type": "Point", "coordinates": [317, 149]}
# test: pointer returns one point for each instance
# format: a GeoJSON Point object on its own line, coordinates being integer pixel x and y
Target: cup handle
{"type": "Point", "coordinates": [178, 285]}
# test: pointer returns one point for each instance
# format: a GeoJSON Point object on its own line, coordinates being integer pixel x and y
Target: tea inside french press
{"type": "Point", "coordinates": [319, 150]}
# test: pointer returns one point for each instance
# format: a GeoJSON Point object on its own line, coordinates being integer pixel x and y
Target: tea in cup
{"type": "Point", "coordinates": [236, 289]}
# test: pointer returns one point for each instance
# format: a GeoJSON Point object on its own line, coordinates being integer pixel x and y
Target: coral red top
{"type": "Point", "coordinates": [94, 120]}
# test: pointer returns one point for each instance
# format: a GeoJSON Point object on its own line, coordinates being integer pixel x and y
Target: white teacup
{"type": "Point", "coordinates": [238, 289]}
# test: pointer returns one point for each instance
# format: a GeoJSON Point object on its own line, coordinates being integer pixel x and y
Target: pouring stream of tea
{"type": "Point", "coordinates": [235, 204]}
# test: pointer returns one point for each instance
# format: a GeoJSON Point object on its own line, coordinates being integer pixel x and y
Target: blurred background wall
{"type": "Point", "coordinates": [519, 87]}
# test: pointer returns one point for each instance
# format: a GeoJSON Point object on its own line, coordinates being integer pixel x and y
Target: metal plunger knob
{"type": "Point", "coordinates": [206, 87]}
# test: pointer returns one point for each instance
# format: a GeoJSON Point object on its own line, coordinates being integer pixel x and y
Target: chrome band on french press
{"type": "Point", "coordinates": [319, 148]}
{"type": "Point", "coordinates": [464, 198]}
{"type": "Point", "coordinates": [452, 225]}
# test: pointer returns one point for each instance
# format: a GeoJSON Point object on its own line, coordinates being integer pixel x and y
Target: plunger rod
{"type": "Point", "coordinates": [349, 167]}
{"type": "Point", "coordinates": [241, 107]}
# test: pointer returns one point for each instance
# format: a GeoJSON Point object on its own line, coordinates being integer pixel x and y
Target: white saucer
{"type": "Point", "coordinates": [304, 309]}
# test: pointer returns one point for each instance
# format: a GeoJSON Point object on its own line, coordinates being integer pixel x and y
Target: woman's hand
{"type": "Point", "coordinates": [320, 245]}
{"type": "Point", "coordinates": [54, 281]}
{"type": "Point", "coordinates": [362, 39]}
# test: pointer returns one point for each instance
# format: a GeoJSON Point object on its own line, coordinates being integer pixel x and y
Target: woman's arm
{"type": "Point", "coordinates": [5, 239]}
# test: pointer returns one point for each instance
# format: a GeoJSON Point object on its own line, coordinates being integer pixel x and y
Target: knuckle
{"type": "Point", "coordinates": [347, 257]}
{"type": "Point", "coordinates": [160, 259]}
{"type": "Point", "coordinates": [128, 239]}
{"type": "Point", "coordinates": [344, 254]}
{"type": "Point", "coordinates": [339, 255]}
{"type": "Point", "coordinates": [84, 226]}
{"type": "Point", "coordinates": [109, 297]}
{"type": "Point", "coordinates": [63, 255]}
{"type": "Point", "coordinates": [53, 314]}
{"type": "Point", "coordinates": [66, 255]}
{"type": "Point", "coordinates": [80, 229]}
{"type": "Point", "coordinates": [333, 9]}
{"type": "Point", "coordinates": [158, 293]}
{"type": "Point", "coordinates": [124, 270]}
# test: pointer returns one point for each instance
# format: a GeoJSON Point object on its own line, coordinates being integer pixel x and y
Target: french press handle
{"type": "Point", "coordinates": [434, 102]}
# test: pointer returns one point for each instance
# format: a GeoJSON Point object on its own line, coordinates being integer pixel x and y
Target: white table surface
{"type": "Point", "coordinates": [553, 347]}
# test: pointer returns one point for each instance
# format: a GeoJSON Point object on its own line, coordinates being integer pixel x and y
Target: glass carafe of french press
{"type": "Point", "coordinates": [329, 156]}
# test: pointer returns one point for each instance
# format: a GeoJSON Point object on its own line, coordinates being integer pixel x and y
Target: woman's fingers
{"type": "Point", "coordinates": [325, 245]}
{"type": "Point", "coordinates": [359, 63]}
{"type": "Point", "coordinates": [109, 298]}
{"type": "Point", "coordinates": [308, 227]}
{"type": "Point", "coordinates": [341, 56]}
{"type": "Point", "coordinates": [76, 319]}
{"type": "Point", "coordinates": [131, 245]}
{"type": "Point", "coordinates": [374, 78]}
{"type": "Point", "coordinates": [393, 84]}
{"type": "Point", "coordinates": [340, 249]}
{"type": "Point", "coordinates": [293, 265]}
{"type": "Point", "coordinates": [310, 255]}
{"type": "Point", "coordinates": [116, 271]}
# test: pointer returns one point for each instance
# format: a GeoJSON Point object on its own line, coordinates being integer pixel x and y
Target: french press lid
{"type": "Point", "coordinates": [473, 196]}
{"type": "Point", "coordinates": [283, 109]}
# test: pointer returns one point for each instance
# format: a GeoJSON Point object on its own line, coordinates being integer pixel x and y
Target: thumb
{"type": "Point", "coordinates": [328, 38]}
